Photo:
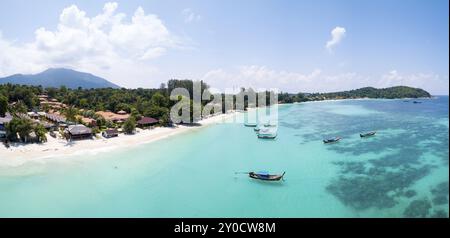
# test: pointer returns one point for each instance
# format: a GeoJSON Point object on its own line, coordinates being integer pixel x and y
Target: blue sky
{"type": "Point", "coordinates": [256, 43]}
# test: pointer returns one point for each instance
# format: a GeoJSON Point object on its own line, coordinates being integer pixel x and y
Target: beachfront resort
{"type": "Point", "coordinates": [52, 115]}
{"type": "Point", "coordinates": [31, 114]}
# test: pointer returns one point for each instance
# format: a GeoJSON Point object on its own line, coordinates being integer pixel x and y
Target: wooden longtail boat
{"type": "Point", "coordinates": [332, 140]}
{"type": "Point", "coordinates": [372, 133]}
{"type": "Point", "coordinates": [250, 124]}
{"type": "Point", "coordinates": [266, 176]}
{"type": "Point", "coordinates": [267, 133]}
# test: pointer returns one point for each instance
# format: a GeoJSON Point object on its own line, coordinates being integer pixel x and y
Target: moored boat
{"type": "Point", "coordinates": [267, 133]}
{"type": "Point", "coordinates": [250, 124]}
{"type": "Point", "coordinates": [265, 176]}
{"type": "Point", "coordinates": [270, 124]}
{"type": "Point", "coordinates": [332, 140]}
{"type": "Point", "coordinates": [367, 134]}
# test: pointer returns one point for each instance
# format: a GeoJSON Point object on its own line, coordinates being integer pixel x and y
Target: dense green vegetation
{"type": "Point", "coordinates": [3, 105]}
{"type": "Point", "coordinates": [156, 103]}
{"type": "Point", "coordinates": [129, 126]}
{"type": "Point", "coordinates": [368, 92]}
{"type": "Point", "coordinates": [21, 129]}
{"type": "Point", "coordinates": [25, 94]}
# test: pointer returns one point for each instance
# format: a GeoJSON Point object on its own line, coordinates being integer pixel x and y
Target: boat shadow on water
{"type": "Point", "coordinates": [268, 183]}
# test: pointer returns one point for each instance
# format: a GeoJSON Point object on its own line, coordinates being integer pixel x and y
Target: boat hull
{"type": "Point", "coordinates": [367, 134]}
{"type": "Point", "coordinates": [331, 141]}
{"type": "Point", "coordinates": [266, 177]}
{"type": "Point", "coordinates": [267, 136]}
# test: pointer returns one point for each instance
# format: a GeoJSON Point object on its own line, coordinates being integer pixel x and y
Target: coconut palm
{"type": "Point", "coordinates": [40, 132]}
{"type": "Point", "coordinates": [71, 114]}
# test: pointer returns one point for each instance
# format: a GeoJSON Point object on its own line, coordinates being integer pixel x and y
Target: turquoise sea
{"type": "Point", "coordinates": [403, 171]}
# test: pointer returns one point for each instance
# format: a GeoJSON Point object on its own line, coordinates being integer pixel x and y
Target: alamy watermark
{"type": "Point", "coordinates": [190, 109]}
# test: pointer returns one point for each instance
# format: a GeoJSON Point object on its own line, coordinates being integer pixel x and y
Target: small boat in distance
{"type": "Point", "coordinates": [417, 102]}
{"type": "Point", "coordinates": [267, 133]}
{"type": "Point", "coordinates": [266, 176]}
{"type": "Point", "coordinates": [270, 124]}
{"type": "Point", "coordinates": [250, 124]}
{"type": "Point", "coordinates": [332, 140]}
{"type": "Point", "coordinates": [367, 134]}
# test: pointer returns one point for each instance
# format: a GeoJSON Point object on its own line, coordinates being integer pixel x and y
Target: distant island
{"type": "Point", "coordinates": [367, 92]}
{"type": "Point", "coordinates": [57, 77]}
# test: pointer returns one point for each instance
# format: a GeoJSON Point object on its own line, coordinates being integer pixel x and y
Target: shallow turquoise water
{"type": "Point", "coordinates": [402, 171]}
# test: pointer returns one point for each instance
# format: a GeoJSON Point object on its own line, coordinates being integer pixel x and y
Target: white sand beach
{"type": "Point", "coordinates": [55, 148]}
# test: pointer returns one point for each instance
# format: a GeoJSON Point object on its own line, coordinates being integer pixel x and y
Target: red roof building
{"type": "Point", "coordinates": [147, 121]}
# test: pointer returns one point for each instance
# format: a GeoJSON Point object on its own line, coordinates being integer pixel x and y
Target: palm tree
{"type": "Point", "coordinates": [129, 126]}
{"type": "Point", "coordinates": [71, 113]}
{"type": "Point", "coordinates": [40, 132]}
{"type": "Point", "coordinates": [24, 128]}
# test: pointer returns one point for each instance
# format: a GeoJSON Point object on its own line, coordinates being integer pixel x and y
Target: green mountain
{"type": "Point", "coordinates": [57, 77]}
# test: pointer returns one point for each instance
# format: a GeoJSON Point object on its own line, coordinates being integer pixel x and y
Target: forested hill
{"type": "Point", "coordinates": [57, 77]}
{"type": "Point", "coordinates": [392, 92]}
{"type": "Point", "coordinates": [367, 92]}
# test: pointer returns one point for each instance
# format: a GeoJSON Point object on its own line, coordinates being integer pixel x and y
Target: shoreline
{"type": "Point", "coordinates": [58, 149]}
{"type": "Point", "coordinates": [361, 99]}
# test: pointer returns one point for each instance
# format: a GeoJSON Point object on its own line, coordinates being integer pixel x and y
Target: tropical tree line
{"type": "Point", "coordinates": [22, 129]}
{"type": "Point", "coordinates": [367, 92]}
{"type": "Point", "coordinates": [156, 103]}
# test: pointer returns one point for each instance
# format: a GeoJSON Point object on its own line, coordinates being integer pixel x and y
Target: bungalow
{"type": "Point", "coordinates": [3, 120]}
{"type": "Point", "coordinates": [52, 103]}
{"type": "Point", "coordinates": [87, 121]}
{"type": "Point", "coordinates": [147, 121]}
{"type": "Point", "coordinates": [43, 97]}
{"type": "Point", "coordinates": [33, 115]}
{"type": "Point", "coordinates": [75, 132]}
{"type": "Point", "coordinates": [48, 126]}
{"type": "Point", "coordinates": [113, 117]}
{"type": "Point", "coordinates": [109, 133]}
{"type": "Point", "coordinates": [55, 118]}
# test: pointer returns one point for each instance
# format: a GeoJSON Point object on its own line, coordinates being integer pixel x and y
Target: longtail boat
{"type": "Point", "coordinates": [267, 133]}
{"type": "Point", "coordinates": [372, 133]}
{"type": "Point", "coordinates": [332, 140]}
{"type": "Point", "coordinates": [266, 176]}
{"type": "Point", "coordinates": [250, 124]}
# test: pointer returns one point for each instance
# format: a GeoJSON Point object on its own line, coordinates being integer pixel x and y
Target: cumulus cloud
{"type": "Point", "coordinates": [190, 15]}
{"type": "Point", "coordinates": [431, 82]}
{"type": "Point", "coordinates": [106, 45]}
{"type": "Point", "coordinates": [337, 34]}
{"type": "Point", "coordinates": [258, 77]}
{"type": "Point", "coordinates": [262, 77]}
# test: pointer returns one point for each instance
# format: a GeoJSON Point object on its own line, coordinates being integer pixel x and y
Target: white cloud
{"type": "Point", "coordinates": [337, 34]}
{"type": "Point", "coordinates": [105, 45]}
{"type": "Point", "coordinates": [190, 15]}
{"type": "Point", "coordinates": [431, 82]}
{"type": "Point", "coordinates": [261, 77]}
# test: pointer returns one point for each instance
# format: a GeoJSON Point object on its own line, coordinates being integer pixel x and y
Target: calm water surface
{"type": "Point", "coordinates": [403, 171]}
